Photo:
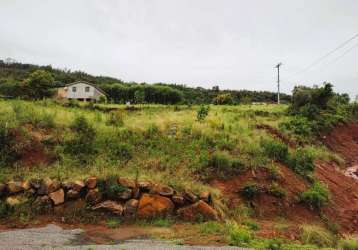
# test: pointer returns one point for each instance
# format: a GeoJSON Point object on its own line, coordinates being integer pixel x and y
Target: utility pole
{"type": "Point", "coordinates": [278, 82]}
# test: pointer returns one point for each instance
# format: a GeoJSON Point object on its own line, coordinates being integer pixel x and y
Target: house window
{"type": "Point", "coordinates": [74, 89]}
{"type": "Point", "coordinates": [87, 89]}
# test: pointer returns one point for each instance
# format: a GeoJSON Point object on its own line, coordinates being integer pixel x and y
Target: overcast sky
{"type": "Point", "coordinates": [231, 43]}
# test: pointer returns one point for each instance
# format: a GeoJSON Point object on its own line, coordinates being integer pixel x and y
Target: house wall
{"type": "Point", "coordinates": [81, 93]}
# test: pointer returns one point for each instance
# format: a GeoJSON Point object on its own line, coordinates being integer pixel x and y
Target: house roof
{"type": "Point", "coordinates": [97, 88]}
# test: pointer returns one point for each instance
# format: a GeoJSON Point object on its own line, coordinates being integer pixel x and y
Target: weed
{"type": "Point", "coordinates": [312, 234]}
{"type": "Point", "coordinates": [250, 190]}
{"type": "Point", "coordinates": [202, 113]}
{"type": "Point", "coordinates": [274, 149]}
{"type": "Point", "coordinates": [277, 191]}
{"type": "Point", "coordinates": [302, 162]}
{"type": "Point", "coordinates": [251, 224]}
{"type": "Point", "coordinates": [115, 118]}
{"type": "Point", "coordinates": [211, 227]}
{"type": "Point", "coordinates": [238, 236]}
{"type": "Point", "coordinates": [113, 222]}
{"type": "Point", "coordinates": [316, 196]}
{"type": "Point", "coordinates": [349, 244]}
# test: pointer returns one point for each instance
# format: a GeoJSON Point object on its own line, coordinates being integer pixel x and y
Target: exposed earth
{"type": "Point", "coordinates": [54, 237]}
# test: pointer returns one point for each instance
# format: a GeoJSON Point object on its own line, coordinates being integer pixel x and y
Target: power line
{"type": "Point", "coordinates": [325, 56]}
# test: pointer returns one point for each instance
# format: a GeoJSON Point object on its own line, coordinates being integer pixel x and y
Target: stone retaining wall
{"type": "Point", "coordinates": [119, 196]}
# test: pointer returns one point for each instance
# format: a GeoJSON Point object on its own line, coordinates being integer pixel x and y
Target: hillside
{"type": "Point", "coordinates": [119, 91]}
{"type": "Point", "coordinates": [255, 170]}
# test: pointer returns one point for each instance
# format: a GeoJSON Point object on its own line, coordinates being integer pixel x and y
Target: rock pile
{"type": "Point", "coordinates": [120, 196]}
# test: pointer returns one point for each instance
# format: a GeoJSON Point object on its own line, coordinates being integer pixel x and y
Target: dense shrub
{"type": "Point", "coordinates": [7, 142]}
{"type": "Point", "coordinates": [277, 191]}
{"type": "Point", "coordinates": [238, 236]}
{"type": "Point", "coordinates": [302, 162]}
{"type": "Point", "coordinates": [223, 99]}
{"type": "Point", "coordinates": [299, 125]}
{"type": "Point", "coordinates": [316, 196]}
{"type": "Point", "coordinates": [250, 190]}
{"type": "Point", "coordinates": [81, 145]}
{"type": "Point", "coordinates": [275, 149]}
{"type": "Point", "coordinates": [118, 150]}
{"type": "Point", "coordinates": [202, 113]}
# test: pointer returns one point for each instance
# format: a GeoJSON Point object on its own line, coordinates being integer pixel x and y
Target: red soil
{"type": "Point", "coordinates": [344, 141]}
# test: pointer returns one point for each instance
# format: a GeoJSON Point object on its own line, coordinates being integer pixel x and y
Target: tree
{"type": "Point", "coordinates": [223, 99]}
{"type": "Point", "coordinates": [39, 84]}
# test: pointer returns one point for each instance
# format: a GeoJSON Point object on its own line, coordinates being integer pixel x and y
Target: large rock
{"type": "Point", "coordinates": [2, 189]}
{"type": "Point", "coordinates": [78, 186]}
{"type": "Point", "coordinates": [26, 185]}
{"type": "Point", "coordinates": [189, 196]}
{"type": "Point", "coordinates": [91, 182]}
{"type": "Point", "coordinates": [111, 206]}
{"type": "Point", "coordinates": [130, 208]}
{"type": "Point", "coordinates": [13, 200]}
{"type": "Point", "coordinates": [126, 182]}
{"type": "Point", "coordinates": [35, 183]}
{"type": "Point", "coordinates": [145, 186]}
{"type": "Point", "coordinates": [178, 200]}
{"type": "Point", "coordinates": [198, 211]}
{"type": "Point", "coordinates": [48, 186]}
{"type": "Point", "coordinates": [58, 197]}
{"type": "Point", "coordinates": [205, 196]}
{"type": "Point", "coordinates": [93, 196]}
{"type": "Point", "coordinates": [152, 205]}
{"type": "Point", "coordinates": [162, 190]}
{"type": "Point", "coordinates": [125, 195]}
{"type": "Point", "coordinates": [14, 187]}
{"type": "Point", "coordinates": [72, 194]}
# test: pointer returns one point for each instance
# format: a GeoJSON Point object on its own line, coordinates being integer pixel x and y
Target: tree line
{"type": "Point", "coordinates": [33, 81]}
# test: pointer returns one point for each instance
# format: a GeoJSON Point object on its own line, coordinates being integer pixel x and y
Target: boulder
{"type": "Point", "coordinates": [91, 182]}
{"type": "Point", "coordinates": [93, 196]}
{"type": "Point", "coordinates": [126, 182]}
{"type": "Point", "coordinates": [72, 194]}
{"type": "Point", "coordinates": [2, 189]}
{"type": "Point", "coordinates": [130, 208]}
{"type": "Point", "coordinates": [198, 211]}
{"type": "Point", "coordinates": [189, 196]}
{"type": "Point", "coordinates": [178, 200]}
{"type": "Point", "coordinates": [125, 195]}
{"type": "Point", "coordinates": [205, 196]}
{"type": "Point", "coordinates": [42, 202]}
{"type": "Point", "coordinates": [13, 200]}
{"type": "Point", "coordinates": [14, 187]}
{"type": "Point", "coordinates": [162, 190]}
{"type": "Point", "coordinates": [111, 206]}
{"type": "Point", "coordinates": [67, 185]}
{"type": "Point", "coordinates": [78, 186]}
{"type": "Point", "coordinates": [26, 185]}
{"type": "Point", "coordinates": [145, 186]}
{"type": "Point", "coordinates": [152, 205]}
{"type": "Point", "coordinates": [58, 197]}
{"type": "Point", "coordinates": [48, 186]}
{"type": "Point", "coordinates": [35, 183]}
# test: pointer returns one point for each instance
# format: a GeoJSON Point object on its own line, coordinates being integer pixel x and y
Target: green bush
{"type": "Point", "coordinates": [251, 224]}
{"type": "Point", "coordinates": [274, 149]}
{"type": "Point", "coordinates": [8, 153]}
{"type": "Point", "coordinates": [112, 188]}
{"type": "Point", "coordinates": [316, 196]}
{"type": "Point", "coordinates": [220, 161]}
{"type": "Point", "coordinates": [119, 151]}
{"type": "Point", "coordinates": [250, 190]}
{"type": "Point", "coordinates": [5, 210]}
{"type": "Point", "coordinates": [349, 244]}
{"type": "Point", "coordinates": [82, 140]}
{"type": "Point", "coordinates": [299, 125]}
{"type": "Point", "coordinates": [202, 113]}
{"type": "Point", "coordinates": [277, 191]}
{"type": "Point", "coordinates": [238, 236]}
{"type": "Point", "coordinates": [302, 162]}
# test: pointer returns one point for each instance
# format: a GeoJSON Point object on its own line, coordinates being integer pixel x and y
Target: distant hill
{"type": "Point", "coordinates": [120, 91]}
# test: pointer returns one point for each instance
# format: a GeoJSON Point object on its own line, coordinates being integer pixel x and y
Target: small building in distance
{"type": "Point", "coordinates": [81, 91]}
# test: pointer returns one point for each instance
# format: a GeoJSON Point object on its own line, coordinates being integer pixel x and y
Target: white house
{"type": "Point", "coordinates": [82, 91]}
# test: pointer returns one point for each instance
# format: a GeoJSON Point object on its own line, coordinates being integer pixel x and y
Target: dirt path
{"type": "Point", "coordinates": [54, 237]}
